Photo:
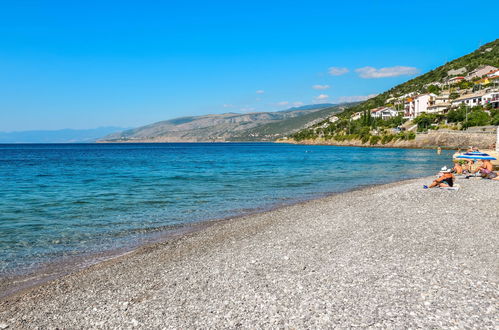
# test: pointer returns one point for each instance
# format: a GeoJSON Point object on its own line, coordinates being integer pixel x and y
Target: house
{"type": "Point", "coordinates": [384, 113]}
{"type": "Point", "coordinates": [492, 78]}
{"type": "Point", "coordinates": [443, 98]}
{"type": "Point", "coordinates": [470, 100]}
{"type": "Point", "coordinates": [493, 74]}
{"type": "Point", "coordinates": [356, 115]}
{"type": "Point", "coordinates": [491, 98]}
{"type": "Point", "coordinates": [455, 80]}
{"type": "Point", "coordinates": [480, 72]}
{"type": "Point", "coordinates": [440, 104]}
{"type": "Point", "coordinates": [333, 119]}
{"type": "Point", "coordinates": [438, 108]}
{"type": "Point", "coordinates": [419, 104]}
{"type": "Point", "coordinates": [405, 96]}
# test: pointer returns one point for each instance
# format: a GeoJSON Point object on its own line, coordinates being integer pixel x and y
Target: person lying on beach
{"type": "Point", "coordinates": [486, 171]}
{"type": "Point", "coordinates": [445, 180]}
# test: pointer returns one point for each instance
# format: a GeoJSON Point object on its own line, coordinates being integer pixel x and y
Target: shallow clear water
{"type": "Point", "coordinates": [68, 199]}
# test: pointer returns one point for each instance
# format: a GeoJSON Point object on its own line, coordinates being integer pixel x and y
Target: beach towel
{"type": "Point", "coordinates": [455, 187]}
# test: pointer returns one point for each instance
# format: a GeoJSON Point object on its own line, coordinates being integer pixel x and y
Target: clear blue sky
{"type": "Point", "coordinates": [84, 64]}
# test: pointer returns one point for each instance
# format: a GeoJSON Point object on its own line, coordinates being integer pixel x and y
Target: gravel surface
{"type": "Point", "coordinates": [392, 256]}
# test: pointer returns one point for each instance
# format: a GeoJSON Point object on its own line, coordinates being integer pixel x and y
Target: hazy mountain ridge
{"type": "Point", "coordinates": [57, 136]}
{"type": "Point", "coordinates": [221, 127]}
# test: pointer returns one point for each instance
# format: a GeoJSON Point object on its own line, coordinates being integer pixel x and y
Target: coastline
{"type": "Point", "coordinates": [50, 271]}
{"type": "Point", "coordinates": [430, 140]}
{"type": "Point", "coordinates": [320, 262]}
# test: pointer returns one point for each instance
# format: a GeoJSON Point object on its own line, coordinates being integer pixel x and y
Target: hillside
{"type": "Point", "coordinates": [282, 128]}
{"type": "Point", "coordinates": [358, 122]}
{"type": "Point", "coordinates": [261, 126]}
{"type": "Point", "coordinates": [488, 54]}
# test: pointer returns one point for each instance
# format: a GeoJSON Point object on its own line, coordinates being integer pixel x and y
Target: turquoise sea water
{"type": "Point", "coordinates": [70, 199]}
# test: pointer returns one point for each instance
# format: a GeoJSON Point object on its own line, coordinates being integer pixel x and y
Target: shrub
{"type": "Point", "coordinates": [365, 138]}
{"type": "Point", "coordinates": [374, 139]}
{"type": "Point", "coordinates": [387, 138]}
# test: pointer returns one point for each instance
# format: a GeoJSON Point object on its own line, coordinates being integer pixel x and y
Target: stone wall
{"type": "Point", "coordinates": [433, 139]}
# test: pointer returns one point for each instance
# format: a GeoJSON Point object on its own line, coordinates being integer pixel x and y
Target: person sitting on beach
{"type": "Point", "coordinates": [486, 171]}
{"type": "Point", "coordinates": [472, 149]}
{"type": "Point", "coordinates": [458, 169]}
{"type": "Point", "coordinates": [445, 180]}
{"type": "Point", "coordinates": [472, 167]}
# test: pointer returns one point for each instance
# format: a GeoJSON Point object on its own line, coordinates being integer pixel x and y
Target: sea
{"type": "Point", "coordinates": [64, 201]}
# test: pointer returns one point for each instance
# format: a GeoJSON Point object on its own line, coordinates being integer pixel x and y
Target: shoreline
{"type": "Point", "coordinates": [58, 269]}
{"type": "Point", "coordinates": [302, 255]}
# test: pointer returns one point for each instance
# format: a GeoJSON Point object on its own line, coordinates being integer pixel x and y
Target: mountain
{"type": "Point", "coordinates": [57, 136]}
{"type": "Point", "coordinates": [282, 128]}
{"type": "Point", "coordinates": [258, 126]}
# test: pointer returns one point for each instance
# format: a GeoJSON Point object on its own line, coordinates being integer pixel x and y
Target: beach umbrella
{"type": "Point", "coordinates": [476, 155]}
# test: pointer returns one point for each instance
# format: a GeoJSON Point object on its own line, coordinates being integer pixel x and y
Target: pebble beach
{"type": "Point", "coordinates": [388, 256]}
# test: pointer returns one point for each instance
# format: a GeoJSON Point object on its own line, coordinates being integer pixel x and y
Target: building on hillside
{"type": "Point", "coordinates": [442, 98]}
{"type": "Point", "coordinates": [356, 115]}
{"type": "Point", "coordinates": [480, 72]}
{"type": "Point", "coordinates": [491, 98]}
{"type": "Point", "coordinates": [493, 74]}
{"type": "Point", "coordinates": [455, 80]}
{"type": "Point", "coordinates": [405, 96]}
{"type": "Point", "coordinates": [440, 104]}
{"type": "Point", "coordinates": [384, 113]}
{"type": "Point", "coordinates": [438, 108]}
{"type": "Point", "coordinates": [470, 100]}
{"type": "Point", "coordinates": [493, 78]}
{"type": "Point", "coordinates": [418, 105]}
{"type": "Point", "coordinates": [333, 119]}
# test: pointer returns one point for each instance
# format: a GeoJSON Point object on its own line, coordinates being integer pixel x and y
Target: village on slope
{"type": "Point", "coordinates": [477, 88]}
{"type": "Point", "coordinates": [454, 112]}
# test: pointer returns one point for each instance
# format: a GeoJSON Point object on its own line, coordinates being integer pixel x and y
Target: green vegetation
{"type": "Point", "coordinates": [366, 129]}
{"type": "Point", "coordinates": [462, 117]}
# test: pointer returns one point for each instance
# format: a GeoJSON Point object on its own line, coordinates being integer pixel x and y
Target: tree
{"type": "Point", "coordinates": [495, 117]}
{"type": "Point", "coordinates": [477, 118]}
{"type": "Point", "coordinates": [433, 89]}
{"type": "Point", "coordinates": [458, 115]}
{"type": "Point", "coordinates": [424, 121]}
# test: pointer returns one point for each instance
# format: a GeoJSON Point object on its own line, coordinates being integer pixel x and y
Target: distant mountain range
{"type": "Point", "coordinates": [258, 126]}
{"type": "Point", "coordinates": [57, 136]}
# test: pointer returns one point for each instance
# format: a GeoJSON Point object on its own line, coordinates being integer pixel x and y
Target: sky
{"type": "Point", "coordinates": [87, 64]}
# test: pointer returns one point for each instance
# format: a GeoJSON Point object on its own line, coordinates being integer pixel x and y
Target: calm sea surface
{"type": "Point", "coordinates": [71, 199]}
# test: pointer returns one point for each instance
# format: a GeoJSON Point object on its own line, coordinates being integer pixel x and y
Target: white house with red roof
{"type": "Point", "coordinates": [384, 113]}
{"type": "Point", "coordinates": [480, 72]}
{"type": "Point", "coordinates": [493, 74]}
{"type": "Point", "coordinates": [455, 80]}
